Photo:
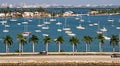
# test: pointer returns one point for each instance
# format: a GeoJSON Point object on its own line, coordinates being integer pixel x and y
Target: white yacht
{"type": "Point", "coordinates": [26, 33]}
{"type": "Point", "coordinates": [13, 20]}
{"type": "Point", "coordinates": [45, 34]}
{"type": "Point", "coordinates": [106, 38]}
{"type": "Point", "coordinates": [37, 30]}
{"type": "Point", "coordinates": [80, 27]}
{"type": "Point", "coordinates": [46, 22]}
{"type": "Point", "coordinates": [104, 29]}
{"type": "Point", "coordinates": [45, 27]}
{"type": "Point", "coordinates": [59, 30]}
{"type": "Point", "coordinates": [58, 23]}
{"type": "Point", "coordinates": [52, 20]}
{"type": "Point", "coordinates": [5, 31]}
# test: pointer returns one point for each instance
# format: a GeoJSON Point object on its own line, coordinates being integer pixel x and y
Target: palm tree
{"type": "Point", "coordinates": [34, 39]}
{"type": "Point", "coordinates": [74, 41]}
{"type": "Point", "coordinates": [114, 41]}
{"type": "Point", "coordinates": [22, 42]}
{"type": "Point", "coordinates": [101, 41]}
{"type": "Point", "coordinates": [8, 41]}
{"type": "Point", "coordinates": [19, 37]}
{"type": "Point", "coordinates": [88, 40]}
{"type": "Point", "coordinates": [47, 40]}
{"type": "Point", "coordinates": [59, 41]}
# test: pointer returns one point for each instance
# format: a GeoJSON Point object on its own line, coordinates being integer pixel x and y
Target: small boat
{"type": "Point", "coordinates": [37, 30]}
{"type": "Point", "coordinates": [91, 25]}
{"type": "Point", "coordinates": [77, 18]}
{"type": "Point", "coordinates": [5, 31]}
{"type": "Point", "coordinates": [18, 23]}
{"type": "Point", "coordinates": [45, 34]}
{"type": "Point", "coordinates": [45, 28]}
{"type": "Point", "coordinates": [52, 20]}
{"type": "Point", "coordinates": [58, 23]}
{"type": "Point", "coordinates": [117, 27]}
{"type": "Point", "coordinates": [26, 33]}
{"type": "Point", "coordinates": [68, 32]}
{"type": "Point", "coordinates": [13, 20]}
{"type": "Point", "coordinates": [104, 29]}
{"type": "Point", "coordinates": [80, 27]}
{"type": "Point", "coordinates": [7, 25]}
{"type": "Point", "coordinates": [71, 34]}
{"type": "Point", "coordinates": [39, 25]}
{"type": "Point", "coordinates": [66, 29]}
{"type": "Point", "coordinates": [24, 22]}
{"type": "Point", "coordinates": [59, 30]}
{"type": "Point", "coordinates": [110, 20]}
{"type": "Point", "coordinates": [46, 22]}
{"type": "Point", "coordinates": [106, 38]}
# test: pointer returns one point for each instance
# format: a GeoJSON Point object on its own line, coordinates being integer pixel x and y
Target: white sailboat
{"type": "Point", "coordinates": [45, 27]}
{"type": "Point", "coordinates": [110, 19]}
{"type": "Point", "coordinates": [65, 27]}
{"type": "Point", "coordinates": [26, 33]}
{"type": "Point", "coordinates": [103, 29]}
{"type": "Point", "coordinates": [99, 32]}
{"type": "Point", "coordinates": [13, 20]}
{"type": "Point", "coordinates": [80, 27]}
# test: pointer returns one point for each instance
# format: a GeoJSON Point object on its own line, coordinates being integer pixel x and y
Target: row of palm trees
{"type": "Point", "coordinates": [114, 41]}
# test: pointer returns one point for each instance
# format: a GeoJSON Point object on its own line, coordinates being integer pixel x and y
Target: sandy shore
{"type": "Point", "coordinates": [59, 59]}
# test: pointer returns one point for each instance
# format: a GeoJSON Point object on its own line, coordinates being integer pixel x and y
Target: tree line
{"type": "Point", "coordinates": [74, 40]}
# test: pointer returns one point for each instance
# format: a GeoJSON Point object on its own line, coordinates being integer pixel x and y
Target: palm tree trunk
{"type": "Point", "coordinates": [59, 47]}
{"type": "Point", "coordinates": [33, 47]}
{"type": "Point", "coordinates": [47, 47]}
{"type": "Point", "coordinates": [100, 47]}
{"type": "Point", "coordinates": [19, 47]}
{"type": "Point", "coordinates": [86, 47]}
{"type": "Point", "coordinates": [113, 49]}
{"type": "Point", "coordinates": [73, 48]}
{"type": "Point", "coordinates": [22, 47]}
{"type": "Point", "coordinates": [6, 48]}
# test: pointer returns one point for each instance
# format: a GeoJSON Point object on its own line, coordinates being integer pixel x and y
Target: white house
{"type": "Point", "coordinates": [27, 14]}
{"type": "Point", "coordinates": [2, 15]}
{"type": "Point", "coordinates": [68, 13]}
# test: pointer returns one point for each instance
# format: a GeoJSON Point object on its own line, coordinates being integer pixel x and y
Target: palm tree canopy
{"type": "Point", "coordinates": [74, 40]}
{"type": "Point", "coordinates": [19, 36]}
{"type": "Point", "coordinates": [47, 39]}
{"type": "Point", "coordinates": [114, 40]}
{"type": "Point", "coordinates": [59, 40]}
{"type": "Point", "coordinates": [8, 40]}
{"type": "Point", "coordinates": [34, 39]}
{"type": "Point", "coordinates": [101, 38]}
{"type": "Point", "coordinates": [88, 39]}
{"type": "Point", "coordinates": [23, 41]}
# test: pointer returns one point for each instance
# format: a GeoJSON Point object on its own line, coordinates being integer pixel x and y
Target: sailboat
{"type": "Point", "coordinates": [80, 27]}
{"type": "Point", "coordinates": [99, 32]}
{"type": "Point", "coordinates": [66, 28]}
{"type": "Point", "coordinates": [109, 19]}
{"type": "Point", "coordinates": [26, 33]}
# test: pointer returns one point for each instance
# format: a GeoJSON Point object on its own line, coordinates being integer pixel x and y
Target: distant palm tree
{"type": "Point", "coordinates": [22, 42]}
{"type": "Point", "coordinates": [34, 39]}
{"type": "Point", "coordinates": [59, 41]}
{"type": "Point", "coordinates": [8, 41]}
{"type": "Point", "coordinates": [114, 41]}
{"type": "Point", "coordinates": [101, 41]}
{"type": "Point", "coordinates": [88, 40]}
{"type": "Point", "coordinates": [47, 40]}
{"type": "Point", "coordinates": [74, 41]}
{"type": "Point", "coordinates": [19, 37]}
